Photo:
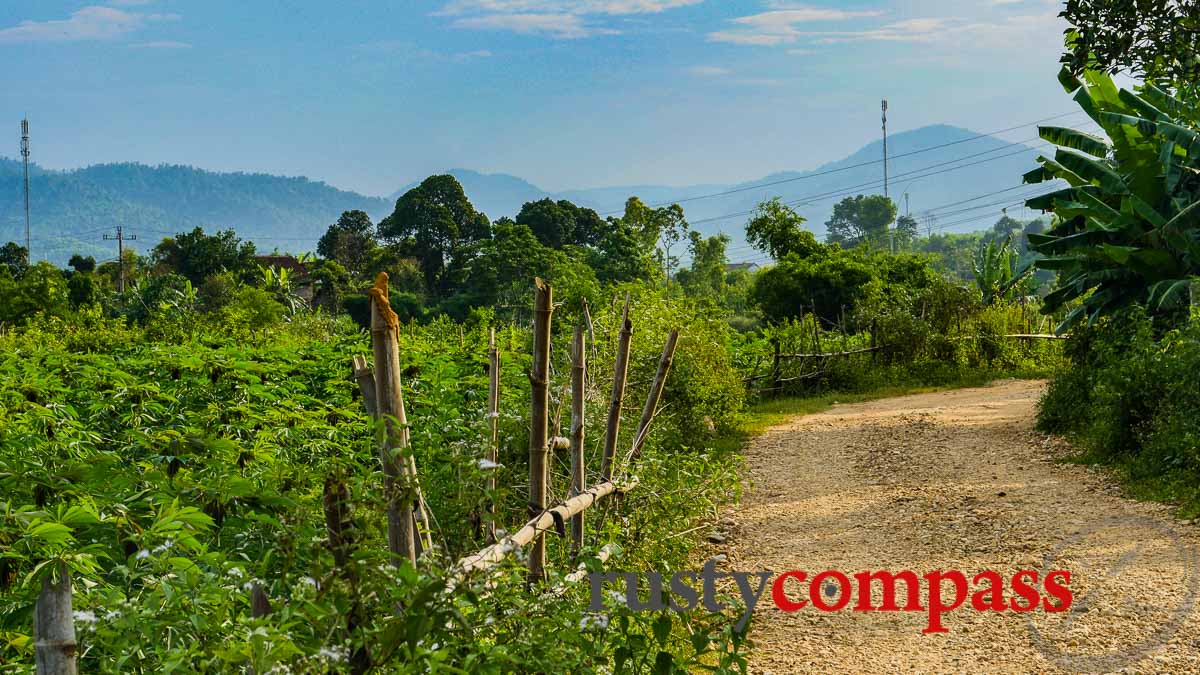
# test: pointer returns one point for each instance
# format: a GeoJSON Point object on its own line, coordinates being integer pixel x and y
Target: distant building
{"type": "Point", "coordinates": [737, 267]}
{"type": "Point", "coordinates": [289, 262]}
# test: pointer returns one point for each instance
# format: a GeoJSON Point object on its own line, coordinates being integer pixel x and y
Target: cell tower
{"type": "Point", "coordinates": [25, 159]}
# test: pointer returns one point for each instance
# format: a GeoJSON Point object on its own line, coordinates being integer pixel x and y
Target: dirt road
{"type": "Point", "coordinates": [959, 480]}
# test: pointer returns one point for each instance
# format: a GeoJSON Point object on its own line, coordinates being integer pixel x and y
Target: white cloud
{"type": "Point", "coordinates": [780, 26]}
{"type": "Point", "coordinates": [786, 27]}
{"type": "Point", "coordinates": [162, 44]}
{"type": "Point", "coordinates": [400, 50]}
{"type": "Point", "coordinates": [129, 3]}
{"type": "Point", "coordinates": [89, 23]}
{"type": "Point", "coordinates": [610, 7]}
{"type": "Point", "coordinates": [709, 71]}
{"type": "Point", "coordinates": [558, 26]}
{"type": "Point", "coordinates": [557, 19]}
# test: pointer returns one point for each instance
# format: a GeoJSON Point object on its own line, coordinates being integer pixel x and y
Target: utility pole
{"type": "Point", "coordinates": [906, 211]}
{"type": "Point", "coordinates": [891, 228]}
{"type": "Point", "coordinates": [885, 162]}
{"type": "Point", "coordinates": [120, 239]}
{"type": "Point", "coordinates": [25, 159]}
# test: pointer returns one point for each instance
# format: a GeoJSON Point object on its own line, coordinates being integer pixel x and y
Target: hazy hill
{"type": "Point", "coordinates": [71, 208]}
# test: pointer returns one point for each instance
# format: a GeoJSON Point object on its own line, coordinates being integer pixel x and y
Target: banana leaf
{"type": "Point", "coordinates": [1076, 140]}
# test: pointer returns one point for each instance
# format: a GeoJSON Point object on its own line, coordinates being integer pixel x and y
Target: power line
{"type": "Point", "coordinates": [827, 172]}
{"type": "Point", "coordinates": [847, 190]}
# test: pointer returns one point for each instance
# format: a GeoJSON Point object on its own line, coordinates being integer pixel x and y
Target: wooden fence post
{"type": "Point", "coordinates": [620, 372]}
{"type": "Point", "coordinates": [652, 398]}
{"type": "Point", "coordinates": [493, 454]}
{"type": "Point", "coordinates": [578, 469]}
{"type": "Point", "coordinates": [54, 625]}
{"type": "Point", "coordinates": [400, 472]}
{"type": "Point", "coordinates": [775, 365]}
{"type": "Point", "coordinates": [539, 467]}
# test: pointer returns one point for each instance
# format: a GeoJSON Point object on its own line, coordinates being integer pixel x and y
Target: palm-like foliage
{"type": "Point", "coordinates": [995, 268]}
{"type": "Point", "coordinates": [1126, 226]}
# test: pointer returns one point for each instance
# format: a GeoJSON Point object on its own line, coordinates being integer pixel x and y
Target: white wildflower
{"type": "Point", "coordinates": [236, 572]}
{"type": "Point", "coordinates": [309, 581]}
{"type": "Point", "coordinates": [598, 621]}
{"type": "Point", "coordinates": [334, 653]}
{"type": "Point", "coordinates": [492, 415]}
{"type": "Point", "coordinates": [163, 547]}
{"type": "Point", "coordinates": [84, 616]}
{"type": "Point", "coordinates": [616, 596]}
{"type": "Point", "coordinates": [143, 554]}
{"type": "Point", "coordinates": [112, 615]}
{"type": "Point", "coordinates": [487, 465]}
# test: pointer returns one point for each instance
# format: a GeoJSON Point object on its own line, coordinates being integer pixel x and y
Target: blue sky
{"type": "Point", "coordinates": [369, 95]}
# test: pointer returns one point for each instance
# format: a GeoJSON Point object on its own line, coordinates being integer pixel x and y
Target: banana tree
{"type": "Point", "coordinates": [995, 268]}
{"type": "Point", "coordinates": [1126, 227]}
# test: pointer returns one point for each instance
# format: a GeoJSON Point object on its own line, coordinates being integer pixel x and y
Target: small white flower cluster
{"type": "Point", "coordinates": [593, 621]}
{"type": "Point", "coordinates": [164, 547]}
{"type": "Point", "coordinates": [487, 465]}
{"type": "Point", "coordinates": [85, 616]}
{"type": "Point", "coordinates": [142, 554]}
{"type": "Point", "coordinates": [236, 573]}
{"type": "Point", "coordinates": [340, 654]}
{"type": "Point", "coordinates": [309, 581]}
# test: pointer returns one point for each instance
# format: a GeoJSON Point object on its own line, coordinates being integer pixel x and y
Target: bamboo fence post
{"type": "Point", "coordinates": [340, 538]}
{"type": "Point", "coordinates": [400, 472]}
{"type": "Point", "coordinates": [539, 467]}
{"type": "Point", "coordinates": [366, 385]}
{"type": "Point", "coordinates": [365, 378]}
{"type": "Point", "coordinates": [260, 604]}
{"type": "Point", "coordinates": [652, 398]}
{"type": "Point", "coordinates": [578, 469]}
{"type": "Point", "coordinates": [775, 364]}
{"type": "Point", "coordinates": [493, 454]}
{"type": "Point", "coordinates": [54, 625]}
{"type": "Point", "coordinates": [620, 372]}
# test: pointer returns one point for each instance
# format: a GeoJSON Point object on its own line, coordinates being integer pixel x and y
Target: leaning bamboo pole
{"type": "Point", "coordinates": [578, 469]}
{"type": "Point", "coordinates": [653, 396]}
{"type": "Point", "coordinates": [399, 467]}
{"type": "Point", "coordinates": [536, 527]}
{"type": "Point", "coordinates": [620, 373]}
{"type": "Point", "coordinates": [539, 466]}
{"type": "Point", "coordinates": [54, 624]}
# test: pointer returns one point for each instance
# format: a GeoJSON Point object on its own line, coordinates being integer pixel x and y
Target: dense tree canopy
{"type": "Point", "coordinates": [777, 230]}
{"type": "Point", "coordinates": [863, 219]}
{"type": "Point", "coordinates": [705, 278]}
{"type": "Point", "coordinates": [432, 222]}
{"type": "Point", "coordinates": [559, 223]}
{"type": "Point", "coordinates": [350, 241]}
{"type": "Point", "coordinates": [1154, 39]}
{"type": "Point", "coordinates": [196, 255]}
{"type": "Point", "coordinates": [14, 259]}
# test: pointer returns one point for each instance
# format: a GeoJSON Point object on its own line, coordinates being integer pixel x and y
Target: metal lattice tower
{"type": "Point", "coordinates": [25, 159]}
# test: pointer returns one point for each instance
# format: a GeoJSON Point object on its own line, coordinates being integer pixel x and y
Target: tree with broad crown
{"type": "Point", "coordinates": [15, 258]}
{"type": "Point", "coordinates": [557, 224]}
{"type": "Point", "coordinates": [197, 256]}
{"type": "Point", "coordinates": [350, 241]}
{"type": "Point", "coordinates": [433, 222]}
{"type": "Point", "coordinates": [863, 219]}
{"type": "Point", "coordinates": [1155, 39]}
{"type": "Point", "coordinates": [777, 230]}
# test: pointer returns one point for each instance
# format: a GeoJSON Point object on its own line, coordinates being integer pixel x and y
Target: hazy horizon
{"type": "Point", "coordinates": [566, 94]}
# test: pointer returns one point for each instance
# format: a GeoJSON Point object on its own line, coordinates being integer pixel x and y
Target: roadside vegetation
{"type": "Point", "coordinates": [182, 434]}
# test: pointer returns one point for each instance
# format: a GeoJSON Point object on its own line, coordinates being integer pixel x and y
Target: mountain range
{"type": "Point", "coordinates": [936, 166]}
